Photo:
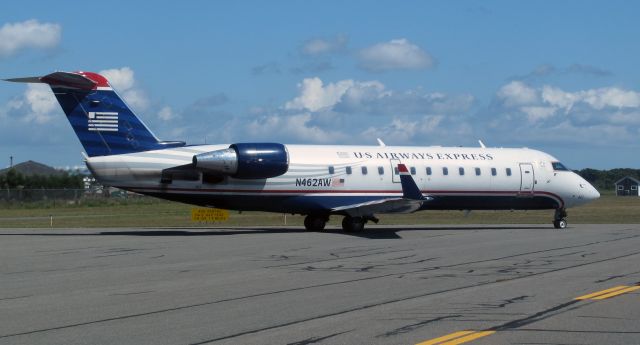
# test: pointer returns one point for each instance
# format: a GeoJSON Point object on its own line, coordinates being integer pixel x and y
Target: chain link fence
{"type": "Point", "coordinates": [20, 195]}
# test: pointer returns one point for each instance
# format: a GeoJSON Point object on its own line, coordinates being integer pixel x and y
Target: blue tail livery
{"type": "Point", "coordinates": [102, 121]}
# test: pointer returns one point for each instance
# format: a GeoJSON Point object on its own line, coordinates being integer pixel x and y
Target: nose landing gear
{"type": "Point", "coordinates": [559, 219]}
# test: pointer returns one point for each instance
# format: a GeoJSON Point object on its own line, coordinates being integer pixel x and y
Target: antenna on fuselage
{"type": "Point", "coordinates": [481, 144]}
{"type": "Point", "coordinates": [380, 142]}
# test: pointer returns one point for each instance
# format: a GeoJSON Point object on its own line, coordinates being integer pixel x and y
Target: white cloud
{"type": "Point", "coordinates": [319, 46]}
{"type": "Point", "coordinates": [395, 54]}
{"type": "Point", "coordinates": [166, 114]}
{"type": "Point", "coordinates": [298, 127]}
{"type": "Point", "coordinates": [600, 116]}
{"type": "Point", "coordinates": [354, 98]}
{"type": "Point", "coordinates": [120, 78]}
{"type": "Point", "coordinates": [28, 34]}
{"type": "Point", "coordinates": [517, 93]}
{"type": "Point", "coordinates": [36, 105]}
{"type": "Point", "coordinates": [314, 95]}
{"type": "Point", "coordinates": [123, 81]}
{"type": "Point", "coordinates": [536, 113]}
{"type": "Point", "coordinates": [397, 131]}
{"type": "Point", "coordinates": [595, 98]}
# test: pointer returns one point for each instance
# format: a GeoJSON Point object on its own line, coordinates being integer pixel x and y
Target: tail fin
{"type": "Point", "coordinates": [102, 121]}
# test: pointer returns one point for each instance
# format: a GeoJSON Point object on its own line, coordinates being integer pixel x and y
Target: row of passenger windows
{"type": "Point", "coordinates": [429, 171]}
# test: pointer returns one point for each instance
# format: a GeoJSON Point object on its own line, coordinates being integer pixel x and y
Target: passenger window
{"type": "Point", "coordinates": [445, 171]}
{"type": "Point", "coordinates": [381, 170]}
{"type": "Point", "coordinates": [364, 170]}
{"type": "Point", "coordinates": [494, 172]}
{"type": "Point", "coordinates": [348, 170]}
{"type": "Point", "coordinates": [395, 171]}
{"type": "Point", "coordinates": [461, 171]}
{"type": "Point", "coordinates": [508, 171]}
{"type": "Point", "coordinates": [332, 170]}
{"type": "Point", "coordinates": [428, 170]}
{"type": "Point", "coordinates": [477, 171]}
{"type": "Point", "coordinates": [413, 170]}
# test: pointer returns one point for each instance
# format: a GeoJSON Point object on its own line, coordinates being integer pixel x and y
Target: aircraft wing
{"type": "Point", "coordinates": [411, 201]}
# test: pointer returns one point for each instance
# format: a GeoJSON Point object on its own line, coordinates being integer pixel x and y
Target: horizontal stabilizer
{"type": "Point", "coordinates": [25, 80]}
{"type": "Point", "coordinates": [77, 80]}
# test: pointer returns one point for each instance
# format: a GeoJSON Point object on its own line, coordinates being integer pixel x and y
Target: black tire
{"type": "Point", "coordinates": [560, 224]}
{"type": "Point", "coordinates": [352, 224]}
{"type": "Point", "coordinates": [315, 222]}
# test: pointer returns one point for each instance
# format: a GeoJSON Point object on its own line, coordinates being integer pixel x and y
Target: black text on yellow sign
{"type": "Point", "coordinates": [209, 214]}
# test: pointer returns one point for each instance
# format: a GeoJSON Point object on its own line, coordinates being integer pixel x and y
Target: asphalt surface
{"type": "Point", "coordinates": [502, 284]}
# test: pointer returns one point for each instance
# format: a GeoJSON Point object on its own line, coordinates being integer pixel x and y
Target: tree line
{"type": "Point", "coordinates": [14, 179]}
{"type": "Point", "coordinates": [605, 179]}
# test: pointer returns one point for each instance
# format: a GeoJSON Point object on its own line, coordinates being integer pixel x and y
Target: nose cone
{"type": "Point", "coordinates": [592, 193]}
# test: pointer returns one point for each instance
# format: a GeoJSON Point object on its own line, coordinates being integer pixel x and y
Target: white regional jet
{"type": "Point", "coordinates": [356, 182]}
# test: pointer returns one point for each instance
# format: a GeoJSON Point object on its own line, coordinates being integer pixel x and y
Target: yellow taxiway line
{"type": "Point", "coordinates": [607, 293]}
{"type": "Point", "coordinates": [457, 338]}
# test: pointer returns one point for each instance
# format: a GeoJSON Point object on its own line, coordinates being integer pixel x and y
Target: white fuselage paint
{"type": "Point", "coordinates": [309, 174]}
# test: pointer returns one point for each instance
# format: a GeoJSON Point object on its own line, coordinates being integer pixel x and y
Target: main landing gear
{"type": "Point", "coordinates": [559, 219]}
{"type": "Point", "coordinates": [315, 222]}
{"type": "Point", "coordinates": [356, 224]}
{"type": "Point", "coordinates": [353, 224]}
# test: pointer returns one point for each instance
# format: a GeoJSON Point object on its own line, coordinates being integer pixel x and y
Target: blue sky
{"type": "Point", "coordinates": [560, 76]}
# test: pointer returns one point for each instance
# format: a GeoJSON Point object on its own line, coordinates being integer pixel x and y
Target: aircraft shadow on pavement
{"type": "Point", "coordinates": [371, 233]}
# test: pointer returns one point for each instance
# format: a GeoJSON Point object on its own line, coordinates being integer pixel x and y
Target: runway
{"type": "Point", "coordinates": [485, 284]}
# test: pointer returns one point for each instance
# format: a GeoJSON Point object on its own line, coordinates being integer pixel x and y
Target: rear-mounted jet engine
{"type": "Point", "coordinates": [245, 161]}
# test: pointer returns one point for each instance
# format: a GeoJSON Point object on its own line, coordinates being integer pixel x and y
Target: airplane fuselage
{"type": "Point", "coordinates": [322, 177]}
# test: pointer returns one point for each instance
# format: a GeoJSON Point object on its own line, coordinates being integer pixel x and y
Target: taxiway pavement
{"type": "Point", "coordinates": [484, 284]}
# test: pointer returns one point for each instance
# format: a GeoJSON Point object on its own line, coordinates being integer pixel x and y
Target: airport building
{"type": "Point", "coordinates": [627, 186]}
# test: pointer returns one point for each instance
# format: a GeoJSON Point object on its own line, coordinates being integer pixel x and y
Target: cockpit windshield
{"type": "Point", "coordinates": [557, 166]}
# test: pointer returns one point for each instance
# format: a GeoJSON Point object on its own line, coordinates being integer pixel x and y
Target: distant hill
{"type": "Point", "coordinates": [30, 168]}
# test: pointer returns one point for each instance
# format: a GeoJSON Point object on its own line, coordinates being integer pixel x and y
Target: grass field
{"type": "Point", "coordinates": [148, 212]}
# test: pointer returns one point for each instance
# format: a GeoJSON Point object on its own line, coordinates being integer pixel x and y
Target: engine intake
{"type": "Point", "coordinates": [245, 160]}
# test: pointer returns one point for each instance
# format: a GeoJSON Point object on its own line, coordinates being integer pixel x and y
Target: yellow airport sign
{"type": "Point", "coordinates": [209, 214]}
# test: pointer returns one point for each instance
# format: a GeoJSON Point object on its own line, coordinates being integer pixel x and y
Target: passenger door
{"type": "Point", "coordinates": [395, 174]}
{"type": "Point", "coordinates": [527, 179]}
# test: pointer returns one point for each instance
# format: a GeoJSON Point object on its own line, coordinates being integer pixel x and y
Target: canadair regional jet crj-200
{"type": "Point", "coordinates": [356, 182]}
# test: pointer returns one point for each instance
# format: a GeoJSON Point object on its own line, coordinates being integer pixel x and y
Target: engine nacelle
{"type": "Point", "coordinates": [245, 160]}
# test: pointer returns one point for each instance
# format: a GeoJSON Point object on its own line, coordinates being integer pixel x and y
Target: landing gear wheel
{"type": "Point", "coordinates": [353, 224]}
{"type": "Point", "coordinates": [315, 222]}
{"type": "Point", "coordinates": [560, 224]}
{"type": "Point", "coordinates": [559, 220]}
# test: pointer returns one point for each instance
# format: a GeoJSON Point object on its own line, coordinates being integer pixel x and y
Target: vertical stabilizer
{"type": "Point", "coordinates": [102, 121]}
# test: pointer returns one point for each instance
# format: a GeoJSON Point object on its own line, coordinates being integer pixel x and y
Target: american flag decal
{"type": "Point", "coordinates": [337, 182]}
{"type": "Point", "coordinates": [103, 121]}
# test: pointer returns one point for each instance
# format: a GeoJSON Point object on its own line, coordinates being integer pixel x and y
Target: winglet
{"type": "Point", "coordinates": [410, 189]}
